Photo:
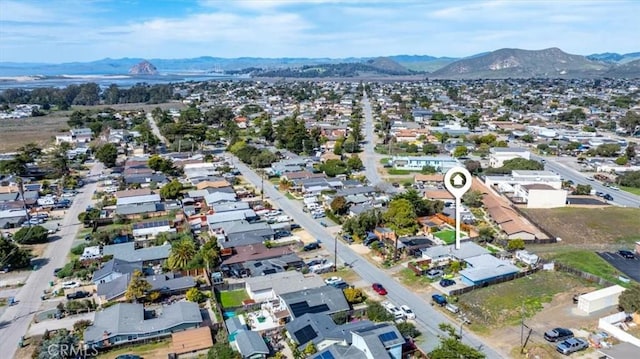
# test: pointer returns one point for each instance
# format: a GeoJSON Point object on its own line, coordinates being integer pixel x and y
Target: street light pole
{"type": "Point", "coordinates": [335, 253]}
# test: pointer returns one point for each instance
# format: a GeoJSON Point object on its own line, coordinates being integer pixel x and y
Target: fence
{"type": "Point", "coordinates": [229, 286]}
{"type": "Point", "coordinates": [551, 238]}
{"type": "Point", "coordinates": [495, 281]}
{"type": "Point", "coordinates": [588, 276]}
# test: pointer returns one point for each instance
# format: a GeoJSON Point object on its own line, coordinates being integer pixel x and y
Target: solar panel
{"type": "Point", "coordinates": [388, 336]}
{"type": "Point", "coordinates": [306, 334]}
{"type": "Point", "coordinates": [302, 308]}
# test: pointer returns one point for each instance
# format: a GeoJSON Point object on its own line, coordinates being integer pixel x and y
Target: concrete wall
{"type": "Point", "coordinates": [542, 198]}
{"type": "Point", "coordinates": [608, 324]}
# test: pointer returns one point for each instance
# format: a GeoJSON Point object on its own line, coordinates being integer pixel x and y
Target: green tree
{"type": "Point", "coordinates": [486, 234]}
{"type": "Point", "coordinates": [310, 349]}
{"type": "Point", "coordinates": [527, 138]}
{"type": "Point", "coordinates": [451, 347]}
{"type": "Point", "coordinates": [266, 130]}
{"type": "Point", "coordinates": [339, 205]}
{"type": "Point", "coordinates": [401, 217]}
{"type": "Point", "coordinates": [430, 148]}
{"type": "Point", "coordinates": [222, 350]}
{"type": "Point", "coordinates": [334, 167]}
{"type": "Point", "coordinates": [515, 244]}
{"type": "Point", "coordinates": [354, 163]}
{"type": "Point", "coordinates": [182, 252]}
{"type": "Point", "coordinates": [421, 206]}
{"type": "Point", "coordinates": [354, 295]}
{"type": "Point", "coordinates": [171, 190]}
{"type": "Point", "coordinates": [630, 151]}
{"type": "Point", "coordinates": [12, 256]}
{"type": "Point", "coordinates": [472, 121]}
{"type": "Point", "coordinates": [622, 160]}
{"type": "Point", "coordinates": [107, 154]}
{"type": "Point", "coordinates": [31, 235]}
{"type": "Point", "coordinates": [473, 198]}
{"type": "Point", "coordinates": [377, 313]}
{"type": "Point", "coordinates": [582, 189]}
{"type": "Point", "coordinates": [194, 295]}
{"type": "Point", "coordinates": [460, 151]}
{"type": "Point", "coordinates": [408, 330]}
{"type": "Point", "coordinates": [337, 147]}
{"type": "Point", "coordinates": [57, 346]}
{"type": "Point", "coordinates": [630, 299]}
{"type": "Point", "coordinates": [138, 286]}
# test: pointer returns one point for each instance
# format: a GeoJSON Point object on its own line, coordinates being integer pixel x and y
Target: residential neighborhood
{"type": "Point", "coordinates": [311, 219]}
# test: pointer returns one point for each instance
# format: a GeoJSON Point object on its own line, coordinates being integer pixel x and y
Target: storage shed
{"type": "Point", "coordinates": [600, 299]}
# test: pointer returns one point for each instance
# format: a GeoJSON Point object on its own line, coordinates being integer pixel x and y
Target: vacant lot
{"type": "Point", "coordinates": [503, 304]}
{"type": "Point", "coordinates": [15, 133]}
{"type": "Point", "coordinates": [598, 229]}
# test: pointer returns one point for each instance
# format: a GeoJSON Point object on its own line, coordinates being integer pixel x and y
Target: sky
{"type": "Point", "coordinates": [47, 31]}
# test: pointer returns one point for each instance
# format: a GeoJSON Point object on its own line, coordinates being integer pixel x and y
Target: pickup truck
{"type": "Point", "coordinates": [78, 295]}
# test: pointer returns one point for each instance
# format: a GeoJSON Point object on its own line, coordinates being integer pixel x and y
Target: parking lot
{"type": "Point", "coordinates": [630, 267]}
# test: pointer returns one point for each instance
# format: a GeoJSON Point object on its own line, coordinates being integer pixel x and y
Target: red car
{"type": "Point", "coordinates": [378, 288]}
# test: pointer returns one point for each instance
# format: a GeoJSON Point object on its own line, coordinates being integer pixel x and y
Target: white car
{"type": "Point", "coordinates": [408, 313]}
{"type": "Point", "coordinates": [393, 310]}
{"type": "Point", "coordinates": [70, 285]}
{"type": "Point", "coordinates": [332, 280]}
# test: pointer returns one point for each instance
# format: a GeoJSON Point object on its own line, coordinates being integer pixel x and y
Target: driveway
{"type": "Point", "coordinates": [63, 323]}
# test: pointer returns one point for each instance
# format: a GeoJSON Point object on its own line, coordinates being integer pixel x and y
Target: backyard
{"type": "Point", "coordinates": [231, 298]}
{"type": "Point", "coordinates": [448, 236]}
{"type": "Point", "coordinates": [150, 350]}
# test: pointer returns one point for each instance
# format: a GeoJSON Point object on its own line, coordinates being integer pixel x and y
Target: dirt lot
{"type": "Point", "coordinates": [597, 229]}
{"type": "Point", "coordinates": [15, 133]}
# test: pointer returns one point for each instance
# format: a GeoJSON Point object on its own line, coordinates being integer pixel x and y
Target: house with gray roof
{"type": "Point", "coordinates": [445, 253]}
{"type": "Point", "coordinates": [219, 197]}
{"type": "Point", "coordinates": [136, 205]}
{"type": "Point", "coordinates": [379, 341]}
{"type": "Point", "coordinates": [486, 268]}
{"type": "Point", "coordinates": [326, 299]}
{"type": "Point", "coordinates": [128, 252]}
{"type": "Point", "coordinates": [322, 331]}
{"type": "Point", "coordinates": [268, 287]}
{"type": "Point", "coordinates": [127, 323]}
{"type": "Point", "coordinates": [166, 284]}
{"type": "Point", "coordinates": [217, 220]}
{"type": "Point", "coordinates": [113, 269]}
{"type": "Point", "coordinates": [251, 345]}
{"type": "Point", "coordinates": [229, 206]}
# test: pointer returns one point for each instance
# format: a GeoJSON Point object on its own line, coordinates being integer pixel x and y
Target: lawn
{"type": "Point", "coordinates": [151, 350]}
{"type": "Point", "coordinates": [587, 261]}
{"type": "Point", "coordinates": [397, 172]}
{"type": "Point", "coordinates": [413, 281]}
{"type": "Point", "coordinates": [594, 228]}
{"type": "Point", "coordinates": [385, 160]}
{"type": "Point", "coordinates": [232, 298]}
{"type": "Point", "coordinates": [448, 236]}
{"type": "Point", "coordinates": [502, 304]}
{"type": "Point", "coordinates": [633, 190]}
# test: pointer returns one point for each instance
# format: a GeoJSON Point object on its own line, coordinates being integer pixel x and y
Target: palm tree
{"type": "Point", "coordinates": [182, 252]}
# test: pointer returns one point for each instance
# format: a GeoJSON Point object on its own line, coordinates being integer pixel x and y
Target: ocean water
{"type": "Point", "coordinates": [104, 81]}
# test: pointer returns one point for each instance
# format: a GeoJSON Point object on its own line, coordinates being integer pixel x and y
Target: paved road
{"type": "Point", "coordinates": [428, 318]}
{"type": "Point", "coordinates": [155, 129]}
{"type": "Point", "coordinates": [621, 198]}
{"type": "Point", "coordinates": [16, 319]}
{"type": "Point", "coordinates": [369, 158]}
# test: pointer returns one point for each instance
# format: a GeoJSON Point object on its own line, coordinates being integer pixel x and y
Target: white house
{"type": "Point", "coordinates": [540, 195]}
{"type": "Point", "coordinates": [522, 177]}
{"type": "Point", "coordinates": [417, 163]}
{"type": "Point", "coordinates": [498, 155]}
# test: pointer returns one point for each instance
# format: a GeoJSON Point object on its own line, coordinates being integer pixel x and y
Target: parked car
{"type": "Point", "coordinates": [128, 356]}
{"type": "Point", "coordinates": [452, 308]}
{"type": "Point", "coordinates": [378, 288]}
{"type": "Point", "coordinates": [572, 345]}
{"type": "Point", "coordinates": [311, 246]}
{"type": "Point", "coordinates": [340, 285]}
{"type": "Point", "coordinates": [447, 282]}
{"type": "Point", "coordinates": [347, 238]}
{"type": "Point", "coordinates": [70, 285]}
{"type": "Point", "coordinates": [332, 280]}
{"type": "Point", "coordinates": [434, 273]}
{"type": "Point", "coordinates": [77, 295]}
{"type": "Point", "coordinates": [408, 313]}
{"type": "Point", "coordinates": [393, 310]}
{"type": "Point", "coordinates": [607, 197]}
{"type": "Point", "coordinates": [439, 299]}
{"type": "Point", "coordinates": [558, 334]}
{"type": "Point", "coordinates": [627, 254]}
{"type": "Point", "coordinates": [316, 261]}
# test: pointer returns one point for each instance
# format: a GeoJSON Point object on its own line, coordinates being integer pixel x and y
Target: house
{"type": "Point", "coordinates": [250, 345]}
{"type": "Point", "coordinates": [486, 268]}
{"type": "Point", "coordinates": [322, 331]}
{"type": "Point", "coordinates": [379, 341]}
{"type": "Point", "coordinates": [240, 233]}
{"type": "Point", "coordinates": [417, 163]}
{"type": "Point", "coordinates": [497, 155]}
{"type": "Point", "coordinates": [133, 193]}
{"type": "Point", "coordinates": [539, 195]}
{"type": "Point", "coordinates": [522, 177]}
{"type": "Point", "coordinates": [150, 229]}
{"type": "Point", "coordinates": [439, 195]}
{"type": "Point", "coordinates": [127, 323]}
{"type": "Point", "coordinates": [113, 269]}
{"type": "Point", "coordinates": [166, 284]}
{"type": "Point", "coordinates": [219, 197]}
{"type": "Point", "coordinates": [208, 184]}
{"type": "Point", "coordinates": [447, 253]}
{"type": "Point", "coordinates": [128, 252]}
{"type": "Point", "coordinates": [414, 245]}
{"type": "Point", "coordinates": [217, 220]}
{"type": "Point", "coordinates": [191, 341]}
{"type": "Point", "coordinates": [268, 287]}
{"type": "Point", "coordinates": [325, 299]}
{"type": "Point", "coordinates": [137, 205]}
{"type": "Point", "coordinates": [254, 252]}
{"type": "Point", "coordinates": [435, 178]}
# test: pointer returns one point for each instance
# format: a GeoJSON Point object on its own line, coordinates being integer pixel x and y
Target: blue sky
{"type": "Point", "coordinates": [85, 30]}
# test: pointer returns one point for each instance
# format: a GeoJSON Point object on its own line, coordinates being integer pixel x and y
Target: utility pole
{"type": "Point", "coordinates": [24, 203]}
{"type": "Point", "coordinates": [335, 253]}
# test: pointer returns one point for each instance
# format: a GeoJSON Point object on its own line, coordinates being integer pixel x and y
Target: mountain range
{"type": "Point", "coordinates": [502, 63]}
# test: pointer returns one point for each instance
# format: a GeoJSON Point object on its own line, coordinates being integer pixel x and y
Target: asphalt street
{"type": "Point", "coordinates": [16, 319]}
{"type": "Point", "coordinates": [620, 197]}
{"type": "Point", "coordinates": [369, 158]}
{"type": "Point", "coordinates": [428, 318]}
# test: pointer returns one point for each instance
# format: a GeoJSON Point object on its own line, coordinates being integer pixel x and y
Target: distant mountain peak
{"type": "Point", "coordinates": [143, 68]}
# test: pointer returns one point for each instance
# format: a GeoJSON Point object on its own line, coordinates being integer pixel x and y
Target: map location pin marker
{"type": "Point", "coordinates": [457, 181]}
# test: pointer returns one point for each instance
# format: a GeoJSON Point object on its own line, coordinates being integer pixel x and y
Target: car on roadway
{"type": "Point", "coordinates": [572, 345]}
{"type": "Point", "coordinates": [608, 197]}
{"type": "Point", "coordinates": [590, 179]}
{"type": "Point", "coordinates": [627, 254]}
{"type": "Point", "coordinates": [558, 334]}
{"type": "Point", "coordinates": [332, 280]}
{"type": "Point", "coordinates": [615, 188]}
{"type": "Point", "coordinates": [408, 313]}
{"type": "Point", "coordinates": [128, 356]}
{"type": "Point", "coordinates": [447, 282]}
{"type": "Point", "coordinates": [70, 285]}
{"type": "Point", "coordinates": [378, 288]}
